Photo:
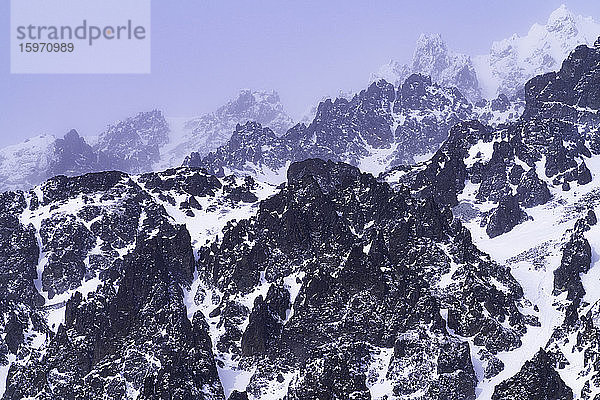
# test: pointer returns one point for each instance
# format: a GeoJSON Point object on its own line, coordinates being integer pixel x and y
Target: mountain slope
{"type": "Point", "coordinates": [115, 313]}
{"type": "Point", "coordinates": [94, 297]}
{"type": "Point", "coordinates": [528, 192]}
{"type": "Point", "coordinates": [381, 126]}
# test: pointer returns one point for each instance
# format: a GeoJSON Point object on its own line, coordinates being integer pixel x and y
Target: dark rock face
{"type": "Point", "coordinates": [137, 334]}
{"type": "Point", "coordinates": [266, 321]}
{"type": "Point", "coordinates": [568, 92]}
{"type": "Point", "coordinates": [73, 156]}
{"type": "Point", "coordinates": [19, 298]}
{"type": "Point", "coordinates": [235, 395]}
{"type": "Point", "coordinates": [536, 380]}
{"type": "Point", "coordinates": [133, 145]}
{"type": "Point", "coordinates": [557, 127]}
{"type": "Point", "coordinates": [333, 375]}
{"type": "Point", "coordinates": [579, 316]}
{"type": "Point", "coordinates": [531, 190]}
{"type": "Point", "coordinates": [493, 368]}
{"type": "Point", "coordinates": [355, 238]}
{"type": "Point", "coordinates": [505, 217]}
{"type": "Point", "coordinates": [126, 330]}
{"type": "Point", "coordinates": [334, 284]}
{"type": "Point", "coordinates": [576, 259]}
{"type": "Point", "coordinates": [587, 343]}
{"type": "Point", "coordinates": [433, 58]}
{"type": "Point", "coordinates": [70, 242]}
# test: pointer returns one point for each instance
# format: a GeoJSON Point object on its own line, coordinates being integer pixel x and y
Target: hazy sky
{"type": "Point", "coordinates": [204, 51]}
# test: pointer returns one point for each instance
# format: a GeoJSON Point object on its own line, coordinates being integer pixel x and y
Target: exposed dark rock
{"type": "Point", "coordinates": [127, 321]}
{"type": "Point", "coordinates": [500, 103]}
{"type": "Point", "coordinates": [493, 367]}
{"type": "Point", "coordinates": [235, 395]}
{"type": "Point", "coordinates": [348, 130]}
{"type": "Point", "coordinates": [576, 259]}
{"type": "Point", "coordinates": [532, 191]}
{"type": "Point", "coordinates": [505, 217]}
{"type": "Point", "coordinates": [266, 321]}
{"type": "Point", "coordinates": [537, 379]}
{"type": "Point", "coordinates": [355, 237]}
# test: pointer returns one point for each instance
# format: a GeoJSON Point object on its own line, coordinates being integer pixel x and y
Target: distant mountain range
{"type": "Point", "coordinates": [378, 128]}
{"type": "Point", "coordinates": [510, 63]}
{"type": "Point", "coordinates": [145, 142]}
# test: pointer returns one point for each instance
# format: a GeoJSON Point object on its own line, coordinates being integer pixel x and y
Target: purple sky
{"type": "Point", "coordinates": [204, 51]}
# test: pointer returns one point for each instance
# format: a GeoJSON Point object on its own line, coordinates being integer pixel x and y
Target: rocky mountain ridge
{"type": "Point", "coordinates": [528, 192]}
{"type": "Point", "coordinates": [378, 128]}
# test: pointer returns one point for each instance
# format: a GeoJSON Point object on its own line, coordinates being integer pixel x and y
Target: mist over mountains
{"type": "Point", "coordinates": [492, 84]}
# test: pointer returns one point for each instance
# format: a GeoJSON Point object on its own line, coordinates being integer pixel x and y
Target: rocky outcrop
{"type": "Point", "coordinates": [73, 156]}
{"type": "Point", "coordinates": [433, 58]}
{"type": "Point", "coordinates": [133, 145]}
{"type": "Point", "coordinates": [355, 238]}
{"type": "Point", "coordinates": [536, 380]}
{"type": "Point", "coordinates": [504, 218]}
{"type": "Point", "coordinates": [211, 131]}
{"type": "Point", "coordinates": [132, 333]}
{"type": "Point", "coordinates": [96, 272]}
{"type": "Point", "coordinates": [555, 135]}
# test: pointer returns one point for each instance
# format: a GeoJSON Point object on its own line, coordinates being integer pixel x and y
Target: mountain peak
{"type": "Point", "coordinates": [515, 60]}
{"type": "Point", "coordinates": [247, 98]}
{"type": "Point", "coordinates": [562, 13]}
{"type": "Point", "coordinates": [562, 20]}
{"type": "Point", "coordinates": [72, 135]}
{"type": "Point", "coordinates": [433, 58]}
{"type": "Point", "coordinates": [431, 40]}
{"type": "Point", "coordinates": [431, 53]}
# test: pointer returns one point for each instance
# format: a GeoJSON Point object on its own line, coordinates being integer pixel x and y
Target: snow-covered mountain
{"type": "Point", "coordinates": [510, 63]}
{"type": "Point", "coordinates": [432, 58]}
{"type": "Point", "coordinates": [206, 133]}
{"type": "Point", "coordinates": [25, 164]}
{"type": "Point", "coordinates": [133, 145]}
{"type": "Point", "coordinates": [150, 141]}
{"type": "Point", "coordinates": [378, 128]}
{"type": "Point", "coordinates": [513, 61]}
{"type": "Point", "coordinates": [528, 193]}
{"type": "Point", "coordinates": [147, 141]}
